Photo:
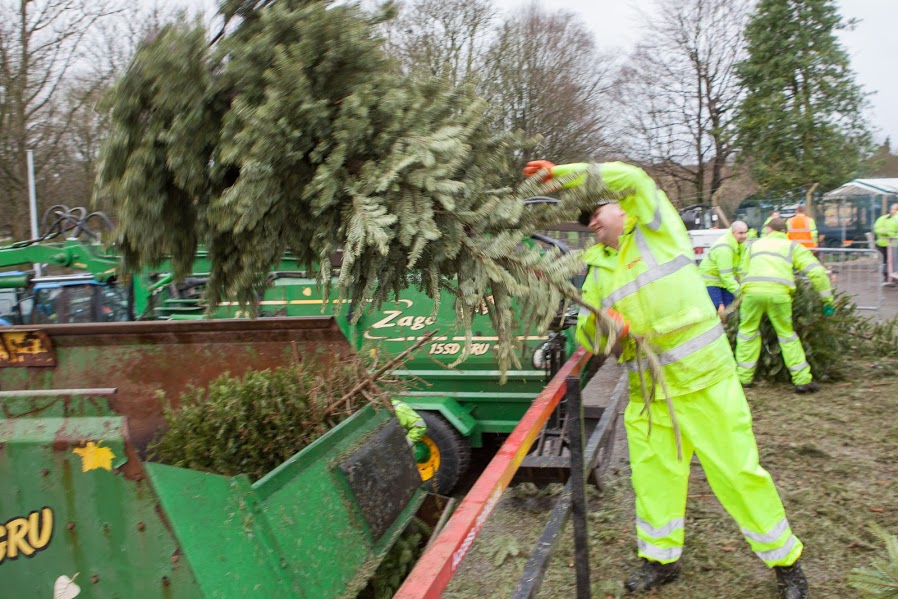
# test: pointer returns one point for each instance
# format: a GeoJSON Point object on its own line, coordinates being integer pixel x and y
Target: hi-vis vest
{"type": "Point", "coordinates": [652, 281]}
{"type": "Point", "coordinates": [770, 264]}
{"type": "Point", "coordinates": [720, 266]}
{"type": "Point", "coordinates": [885, 226]}
{"type": "Point", "coordinates": [803, 229]}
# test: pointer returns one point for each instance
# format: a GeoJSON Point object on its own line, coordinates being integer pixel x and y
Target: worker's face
{"type": "Point", "coordinates": [740, 233]}
{"type": "Point", "coordinates": [893, 210]}
{"type": "Point", "coordinates": [607, 223]}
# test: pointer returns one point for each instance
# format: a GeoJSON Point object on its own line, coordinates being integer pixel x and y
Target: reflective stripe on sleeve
{"type": "Point", "coordinates": [810, 267]}
{"type": "Point", "coordinates": [644, 250]}
{"type": "Point", "coordinates": [792, 247]}
{"type": "Point", "coordinates": [656, 220]}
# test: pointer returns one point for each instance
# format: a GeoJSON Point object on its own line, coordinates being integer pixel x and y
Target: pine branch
{"type": "Point", "coordinates": [881, 580]}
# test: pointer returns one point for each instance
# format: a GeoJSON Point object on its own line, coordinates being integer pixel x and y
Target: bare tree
{"type": "Point", "coordinates": [42, 43]}
{"type": "Point", "coordinates": [443, 38]}
{"type": "Point", "coordinates": [69, 177]}
{"type": "Point", "coordinates": [546, 77]}
{"type": "Point", "coordinates": [678, 92]}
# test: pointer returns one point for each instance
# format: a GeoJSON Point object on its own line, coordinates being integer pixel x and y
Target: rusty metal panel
{"type": "Point", "coordinates": [144, 359]}
{"type": "Point", "coordinates": [25, 347]}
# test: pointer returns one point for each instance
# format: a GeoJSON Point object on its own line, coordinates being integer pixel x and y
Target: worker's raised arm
{"type": "Point", "coordinates": [639, 194]}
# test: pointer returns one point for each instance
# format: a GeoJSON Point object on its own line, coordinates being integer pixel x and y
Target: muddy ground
{"type": "Point", "coordinates": [833, 455]}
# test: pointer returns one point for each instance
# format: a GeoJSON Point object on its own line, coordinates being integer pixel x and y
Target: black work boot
{"type": "Point", "coordinates": [811, 387]}
{"type": "Point", "coordinates": [791, 582]}
{"type": "Point", "coordinates": [652, 574]}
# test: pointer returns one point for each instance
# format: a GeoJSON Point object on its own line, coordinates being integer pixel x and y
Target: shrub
{"type": "Point", "coordinates": [828, 342]}
{"type": "Point", "coordinates": [251, 424]}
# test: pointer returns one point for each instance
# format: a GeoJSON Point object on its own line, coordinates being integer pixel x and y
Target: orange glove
{"type": "Point", "coordinates": [619, 319]}
{"type": "Point", "coordinates": [534, 166]}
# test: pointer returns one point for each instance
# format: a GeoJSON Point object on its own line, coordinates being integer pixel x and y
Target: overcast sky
{"type": "Point", "coordinates": [872, 45]}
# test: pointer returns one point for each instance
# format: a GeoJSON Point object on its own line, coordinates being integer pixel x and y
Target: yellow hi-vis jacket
{"type": "Point", "coordinates": [653, 282]}
{"type": "Point", "coordinates": [720, 266]}
{"type": "Point", "coordinates": [885, 226]}
{"type": "Point", "coordinates": [414, 425]}
{"type": "Point", "coordinates": [769, 266]}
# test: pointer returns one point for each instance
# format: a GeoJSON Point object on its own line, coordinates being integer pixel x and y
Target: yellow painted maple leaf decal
{"type": "Point", "coordinates": [93, 456]}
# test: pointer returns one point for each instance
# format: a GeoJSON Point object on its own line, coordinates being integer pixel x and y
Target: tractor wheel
{"type": "Point", "coordinates": [450, 455]}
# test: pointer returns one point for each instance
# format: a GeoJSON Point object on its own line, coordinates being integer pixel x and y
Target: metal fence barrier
{"type": "Point", "coordinates": [858, 272]}
{"type": "Point", "coordinates": [892, 262]}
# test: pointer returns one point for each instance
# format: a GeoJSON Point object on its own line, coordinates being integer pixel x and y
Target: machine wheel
{"type": "Point", "coordinates": [449, 454]}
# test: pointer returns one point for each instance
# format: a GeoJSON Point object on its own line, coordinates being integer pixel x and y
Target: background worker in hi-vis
{"type": "Point", "coordinates": [768, 283]}
{"type": "Point", "coordinates": [642, 272]}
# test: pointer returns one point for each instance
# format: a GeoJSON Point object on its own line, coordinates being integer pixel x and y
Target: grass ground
{"type": "Point", "coordinates": [833, 455]}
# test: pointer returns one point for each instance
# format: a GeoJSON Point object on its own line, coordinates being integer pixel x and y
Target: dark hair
{"type": "Point", "coordinates": [584, 218]}
{"type": "Point", "coordinates": [778, 224]}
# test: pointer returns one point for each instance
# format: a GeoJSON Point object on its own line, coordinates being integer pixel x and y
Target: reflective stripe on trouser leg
{"type": "Point", "coordinates": [779, 311]}
{"type": "Point", "coordinates": [748, 339]}
{"type": "Point", "coordinates": [659, 480]}
{"type": "Point", "coordinates": [718, 422]}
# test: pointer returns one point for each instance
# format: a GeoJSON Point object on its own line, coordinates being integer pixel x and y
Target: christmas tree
{"type": "Point", "coordinates": [293, 131]}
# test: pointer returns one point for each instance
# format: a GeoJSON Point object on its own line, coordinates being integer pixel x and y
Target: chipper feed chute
{"type": "Point", "coordinates": [83, 515]}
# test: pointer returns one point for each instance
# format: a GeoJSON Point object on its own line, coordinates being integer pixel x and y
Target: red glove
{"type": "Point", "coordinates": [620, 320]}
{"type": "Point", "coordinates": [534, 166]}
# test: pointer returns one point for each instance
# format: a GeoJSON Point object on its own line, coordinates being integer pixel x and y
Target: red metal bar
{"type": "Point", "coordinates": [439, 562]}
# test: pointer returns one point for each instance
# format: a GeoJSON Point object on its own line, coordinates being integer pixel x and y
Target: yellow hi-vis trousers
{"type": "Point", "coordinates": [715, 424]}
{"type": "Point", "coordinates": [778, 308]}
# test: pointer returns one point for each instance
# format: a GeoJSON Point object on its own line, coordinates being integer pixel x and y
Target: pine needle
{"type": "Point", "coordinates": [880, 581]}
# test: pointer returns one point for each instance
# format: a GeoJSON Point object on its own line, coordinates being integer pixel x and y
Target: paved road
{"type": "Point", "coordinates": [859, 276]}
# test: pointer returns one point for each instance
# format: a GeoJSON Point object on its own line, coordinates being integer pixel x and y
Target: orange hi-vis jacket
{"type": "Point", "coordinates": [802, 229]}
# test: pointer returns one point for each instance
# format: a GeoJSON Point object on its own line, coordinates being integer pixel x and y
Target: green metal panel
{"type": "Point", "coordinates": [107, 533]}
{"type": "Point", "coordinates": [55, 406]}
{"type": "Point", "coordinates": [315, 518]}
{"type": "Point", "coordinates": [221, 533]}
{"type": "Point", "coordinates": [299, 532]}
{"type": "Point", "coordinates": [451, 410]}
